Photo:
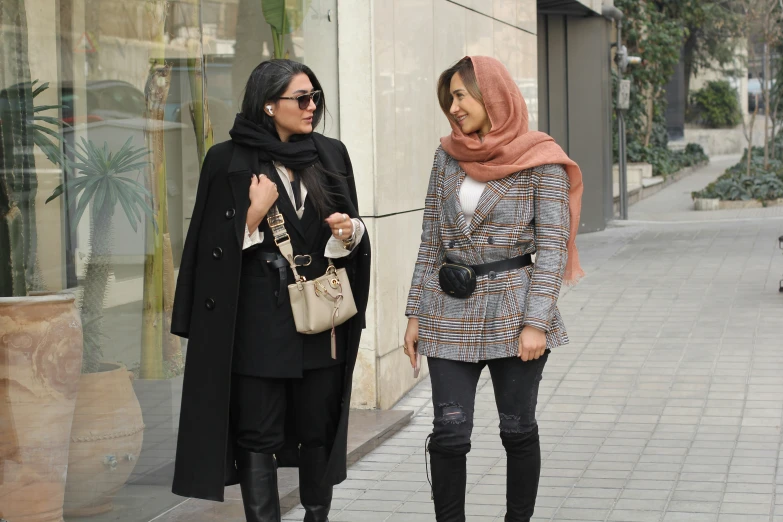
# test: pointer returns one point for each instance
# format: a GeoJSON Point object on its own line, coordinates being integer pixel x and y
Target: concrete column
{"type": "Point", "coordinates": [589, 116]}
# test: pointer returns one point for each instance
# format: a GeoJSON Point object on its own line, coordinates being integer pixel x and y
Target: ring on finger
{"type": "Point", "coordinates": [339, 232]}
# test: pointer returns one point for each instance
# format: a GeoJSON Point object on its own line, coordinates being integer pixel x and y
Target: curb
{"type": "Point", "coordinates": [707, 204]}
{"type": "Point", "coordinates": [639, 193]}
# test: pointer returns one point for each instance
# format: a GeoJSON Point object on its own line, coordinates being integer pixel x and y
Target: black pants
{"type": "Point", "coordinates": [259, 408]}
{"type": "Point", "coordinates": [516, 394]}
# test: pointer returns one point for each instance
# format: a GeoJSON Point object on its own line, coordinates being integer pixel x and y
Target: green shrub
{"type": "Point", "coordinates": [763, 183]}
{"type": "Point", "coordinates": [665, 161]}
{"type": "Point", "coordinates": [716, 105]}
{"type": "Point", "coordinates": [763, 187]}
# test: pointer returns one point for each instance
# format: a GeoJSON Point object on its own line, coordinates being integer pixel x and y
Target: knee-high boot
{"type": "Point", "coordinates": [523, 456]}
{"type": "Point", "coordinates": [316, 497]}
{"type": "Point", "coordinates": [258, 480]}
{"type": "Point", "coordinates": [449, 479]}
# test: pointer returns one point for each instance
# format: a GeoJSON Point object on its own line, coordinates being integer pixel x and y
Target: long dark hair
{"type": "Point", "coordinates": [268, 82]}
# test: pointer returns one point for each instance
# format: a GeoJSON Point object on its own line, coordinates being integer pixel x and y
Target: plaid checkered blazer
{"type": "Point", "coordinates": [523, 213]}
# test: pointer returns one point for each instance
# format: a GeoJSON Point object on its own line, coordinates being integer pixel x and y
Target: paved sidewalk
{"type": "Point", "coordinates": [674, 204]}
{"type": "Point", "coordinates": [667, 404]}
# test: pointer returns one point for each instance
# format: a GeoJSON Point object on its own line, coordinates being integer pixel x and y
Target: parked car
{"type": "Point", "coordinates": [105, 100]}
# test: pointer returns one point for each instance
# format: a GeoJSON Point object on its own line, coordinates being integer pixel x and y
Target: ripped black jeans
{"type": "Point", "coordinates": [454, 395]}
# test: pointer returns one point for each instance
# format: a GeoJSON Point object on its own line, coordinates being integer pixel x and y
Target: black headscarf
{"type": "Point", "coordinates": [296, 155]}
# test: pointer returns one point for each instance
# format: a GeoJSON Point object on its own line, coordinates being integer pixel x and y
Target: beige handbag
{"type": "Point", "coordinates": [319, 305]}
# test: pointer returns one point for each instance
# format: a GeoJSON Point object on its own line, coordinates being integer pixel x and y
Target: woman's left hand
{"type": "Point", "coordinates": [532, 343]}
{"type": "Point", "coordinates": [341, 225]}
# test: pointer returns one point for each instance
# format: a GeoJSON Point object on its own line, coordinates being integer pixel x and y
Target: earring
{"type": "Point", "coordinates": [269, 108]}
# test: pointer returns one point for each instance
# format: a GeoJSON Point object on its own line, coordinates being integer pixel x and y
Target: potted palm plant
{"type": "Point", "coordinates": [108, 428]}
{"type": "Point", "coordinates": [41, 345]}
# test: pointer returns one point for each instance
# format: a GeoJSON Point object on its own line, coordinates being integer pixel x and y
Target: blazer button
{"type": "Point", "coordinates": [492, 275]}
{"type": "Point", "coordinates": [451, 244]}
{"type": "Point", "coordinates": [230, 213]}
{"type": "Point", "coordinates": [210, 304]}
{"type": "Point", "coordinates": [491, 240]}
{"type": "Point", "coordinates": [217, 253]}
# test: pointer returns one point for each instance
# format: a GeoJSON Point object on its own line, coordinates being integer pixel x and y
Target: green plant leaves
{"type": "Point", "coordinates": [716, 105]}
{"type": "Point", "coordinates": [763, 187]}
{"type": "Point", "coordinates": [42, 134]}
{"type": "Point", "coordinates": [102, 182]}
{"type": "Point", "coordinates": [763, 183]}
{"type": "Point", "coordinates": [285, 16]}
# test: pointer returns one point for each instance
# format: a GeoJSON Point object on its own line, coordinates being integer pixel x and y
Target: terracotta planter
{"type": "Point", "coordinates": [106, 440]}
{"type": "Point", "coordinates": [40, 362]}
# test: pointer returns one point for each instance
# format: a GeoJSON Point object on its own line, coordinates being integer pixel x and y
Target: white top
{"type": "Point", "coordinates": [334, 247]}
{"type": "Point", "coordinates": [469, 194]}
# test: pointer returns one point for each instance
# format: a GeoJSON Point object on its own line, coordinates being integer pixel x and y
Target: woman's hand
{"type": "Point", "coordinates": [341, 225]}
{"type": "Point", "coordinates": [532, 343]}
{"type": "Point", "coordinates": [263, 194]}
{"type": "Point", "coordinates": [412, 340]}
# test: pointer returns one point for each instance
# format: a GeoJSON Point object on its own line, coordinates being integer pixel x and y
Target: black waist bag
{"type": "Point", "coordinates": [458, 280]}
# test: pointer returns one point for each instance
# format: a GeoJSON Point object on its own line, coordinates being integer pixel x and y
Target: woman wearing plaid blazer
{"type": "Point", "coordinates": [498, 193]}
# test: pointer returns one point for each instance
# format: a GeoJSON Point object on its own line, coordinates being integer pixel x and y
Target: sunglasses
{"type": "Point", "coordinates": [304, 99]}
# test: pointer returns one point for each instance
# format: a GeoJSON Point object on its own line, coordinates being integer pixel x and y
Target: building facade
{"type": "Point", "coordinates": [166, 77]}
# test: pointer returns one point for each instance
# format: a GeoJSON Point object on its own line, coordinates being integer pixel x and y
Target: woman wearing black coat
{"type": "Point", "coordinates": [257, 394]}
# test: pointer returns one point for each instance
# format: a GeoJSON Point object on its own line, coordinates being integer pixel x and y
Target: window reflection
{"type": "Point", "coordinates": [162, 78]}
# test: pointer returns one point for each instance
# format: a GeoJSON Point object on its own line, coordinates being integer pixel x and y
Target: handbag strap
{"type": "Point", "coordinates": [283, 241]}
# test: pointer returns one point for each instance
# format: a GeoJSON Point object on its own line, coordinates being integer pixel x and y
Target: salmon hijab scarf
{"type": "Point", "coordinates": [511, 147]}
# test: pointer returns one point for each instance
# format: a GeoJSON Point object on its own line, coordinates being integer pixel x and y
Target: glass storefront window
{"type": "Point", "coordinates": [107, 108]}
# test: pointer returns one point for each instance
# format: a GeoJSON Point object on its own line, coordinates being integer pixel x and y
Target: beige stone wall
{"type": "Point", "coordinates": [701, 78]}
{"type": "Point", "coordinates": [390, 58]}
{"type": "Point", "coordinates": [595, 5]}
{"type": "Point", "coordinates": [42, 40]}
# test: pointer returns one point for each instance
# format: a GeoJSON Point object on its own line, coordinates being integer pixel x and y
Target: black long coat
{"type": "Point", "coordinates": [205, 311]}
{"type": "Point", "coordinates": [266, 343]}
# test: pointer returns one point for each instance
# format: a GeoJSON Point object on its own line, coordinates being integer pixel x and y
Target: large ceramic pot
{"type": "Point", "coordinates": [106, 439]}
{"type": "Point", "coordinates": [40, 362]}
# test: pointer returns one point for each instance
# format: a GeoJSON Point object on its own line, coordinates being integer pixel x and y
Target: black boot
{"type": "Point", "coordinates": [449, 478]}
{"type": "Point", "coordinates": [258, 480]}
{"type": "Point", "coordinates": [316, 497]}
{"type": "Point", "coordinates": [523, 456]}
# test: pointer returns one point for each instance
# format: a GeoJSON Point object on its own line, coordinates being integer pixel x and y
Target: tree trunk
{"type": "Point", "coordinates": [650, 101]}
{"type": "Point", "coordinates": [154, 333]}
{"type": "Point", "coordinates": [17, 159]}
{"type": "Point", "coordinates": [775, 128]}
{"type": "Point", "coordinates": [96, 280]}
{"type": "Point", "coordinates": [199, 108]}
{"type": "Point", "coordinates": [687, 59]}
{"type": "Point", "coordinates": [765, 95]}
{"type": "Point", "coordinates": [750, 138]}
{"type": "Point", "coordinates": [153, 321]}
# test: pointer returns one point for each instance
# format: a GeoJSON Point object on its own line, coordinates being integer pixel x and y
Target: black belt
{"type": "Point", "coordinates": [458, 280]}
{"type": "Point", "coordinates": [503, 265]}
{"type": "Point", "coordinates": [275, 260]}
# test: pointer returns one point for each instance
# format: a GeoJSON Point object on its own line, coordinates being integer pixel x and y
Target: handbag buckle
{"type": "Point", "coordinates": [282, 239]}
{"type": "Point", "coordinates": [305, 260]}
{"type": "Point", "coordinates": [276, 220]}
